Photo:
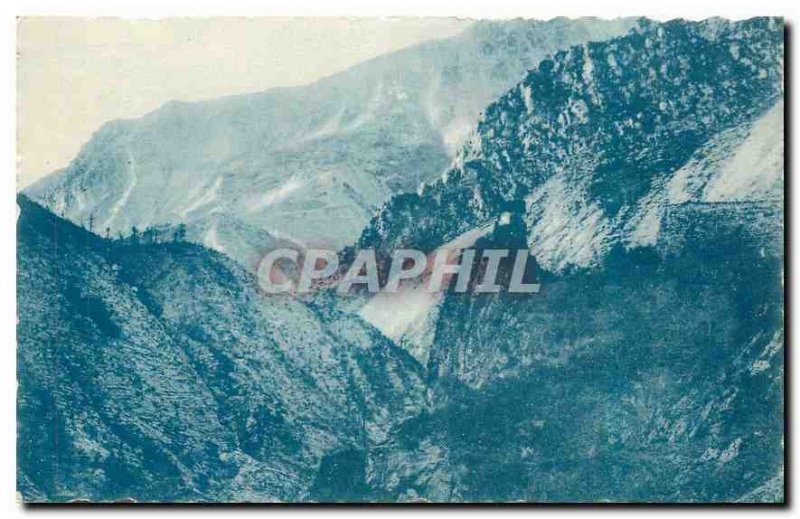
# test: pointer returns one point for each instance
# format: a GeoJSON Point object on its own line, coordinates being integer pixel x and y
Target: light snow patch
{"type": "Point", "coordinates": [211, 240]}
{"type": "Point", "coordinates": [278, 194]}
{"type": "Point", "coordinates": [123, 200]}
{"type": "Point", "coordinates": [205, 198]}
{"type": "Point", "coordinates": [526, 98]}
{"type": "Point", "coordinates": [456, 133]}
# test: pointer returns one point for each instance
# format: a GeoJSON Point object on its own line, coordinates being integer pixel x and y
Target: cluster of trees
{"type": "Point", "coordinates": [153, 234]}
{"type": "Point", "coordinates": [158, 234]}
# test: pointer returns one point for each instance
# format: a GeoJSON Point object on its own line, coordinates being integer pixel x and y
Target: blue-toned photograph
{"type": "Point", "coordinates": [400, 260]}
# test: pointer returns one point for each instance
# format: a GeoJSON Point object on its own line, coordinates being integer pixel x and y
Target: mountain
{"type": "Point", "coordinates": [595, 144]}
{"type": "Point", "coordinates": [311, 163]}
{"type": "Point", "coordinates": [656, 378]}
{"type": "Point", "coordinates": [600, 129]}
{"type": "Point", "coordinates": [646, 176]}
{"type": "Point", "coordinates": [644, 173]}
{"type": "Point", "coordinates": [157, 372]}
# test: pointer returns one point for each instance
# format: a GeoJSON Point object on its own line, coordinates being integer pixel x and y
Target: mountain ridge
{"type": "Point", "coordinates": [309, 163]}
{"type": "Point", "coordinates": [644, 172]}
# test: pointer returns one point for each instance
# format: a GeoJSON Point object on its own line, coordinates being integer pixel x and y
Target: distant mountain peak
{"type": "Point", "coordinates": [315, 162]}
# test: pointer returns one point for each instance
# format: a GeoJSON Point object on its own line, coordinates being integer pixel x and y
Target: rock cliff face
{"type": "Point", "coordinates": [644, 172]}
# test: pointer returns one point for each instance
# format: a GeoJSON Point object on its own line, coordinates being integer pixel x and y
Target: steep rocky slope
{"type": "Point", "coordinates": [158, 372]}
{"type": "Point", "coordinates": [312, 163]}
{"type": "Point", "coordinates": [646, 176]}
{"type": "Point", "coordinates": [596, 143]}
{"type": "Point", "coordinates": [659, 377]}
{"type": "Point", "coordinates": [596, 129]}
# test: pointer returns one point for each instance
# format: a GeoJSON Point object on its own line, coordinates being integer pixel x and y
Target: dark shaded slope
{"type": "Point", "coordinates": [157, 372]}
{"type": "Point", "coordinates": [659, 378]}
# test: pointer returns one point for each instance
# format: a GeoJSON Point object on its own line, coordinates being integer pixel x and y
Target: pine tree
{"type": "Point", "coordinates": [180, 233]}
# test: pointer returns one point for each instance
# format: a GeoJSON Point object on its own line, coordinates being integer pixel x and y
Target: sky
{"type": "Point", "coordinates": [74, 74]}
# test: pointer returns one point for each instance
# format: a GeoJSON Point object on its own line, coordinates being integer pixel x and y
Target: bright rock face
{"type": "Point", "coordinates": [645, 172]}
